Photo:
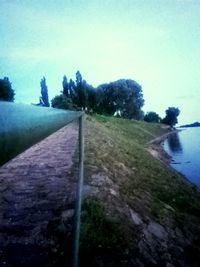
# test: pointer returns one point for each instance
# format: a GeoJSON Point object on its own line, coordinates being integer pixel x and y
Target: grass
{"type": "Point", "coordinates": [100, 230]}
{"type": "Point", "coordinates": [114, 141]}
{"type": "Point", "coordinates": [118, 150]}
{"type": "Point", "coordinates": [103, 239]}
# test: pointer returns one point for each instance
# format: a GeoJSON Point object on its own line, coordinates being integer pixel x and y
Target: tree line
{"type": "Point", "coordinates": [170, 118]}
{"type": "Point", "coordinates": [122, 98]}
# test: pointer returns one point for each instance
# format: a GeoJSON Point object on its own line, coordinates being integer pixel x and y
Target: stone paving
{"type": "Point", "coordinates": [36, 188]}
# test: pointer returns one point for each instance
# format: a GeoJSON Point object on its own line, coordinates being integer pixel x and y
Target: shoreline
{"type": "Point", "coordinates": [156, 149]}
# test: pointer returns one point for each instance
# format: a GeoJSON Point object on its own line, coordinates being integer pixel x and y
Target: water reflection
{"type": "Point", "coordinates": [184, 148]}
{"type": "Point", "coordinates": [174, 143]}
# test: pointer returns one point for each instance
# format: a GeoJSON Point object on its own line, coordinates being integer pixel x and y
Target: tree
{"type": "Point", "coordinates": [80, 91]}
{"type": "Point", "coordinates": [171, 116]}
{"type": "Point", "coordinates": [123, 97]}
{"type": "Point", "coordinates": [68, 97]}
{"type": "Point", "coordinates": [63, 102]}
{"type": "Point", "coordinates": [65, 86]}
{"type": "Point", "coordinates": [92, 98]}
{"type": "Point", "coordinates": [152, 116]}
{"type": "Point", "coordinates": [44, 99]}
{"type": "Point", "coordinates": [71, 87]}
{"type": "Point", "coordinates": [6, 91]}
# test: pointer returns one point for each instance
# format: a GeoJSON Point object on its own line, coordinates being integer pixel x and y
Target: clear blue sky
{"type": "Point", "coordinates": [155, 42]}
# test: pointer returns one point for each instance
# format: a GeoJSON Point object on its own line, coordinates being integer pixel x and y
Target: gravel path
{"type": "Point", "coordinates": [36, 188]}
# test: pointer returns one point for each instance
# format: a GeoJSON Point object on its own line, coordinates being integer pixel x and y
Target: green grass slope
{"type": "Point", "coordinates": [137, 211]}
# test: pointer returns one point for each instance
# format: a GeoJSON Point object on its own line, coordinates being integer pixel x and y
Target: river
{"type": "Point", "coordinates": [184, 148]}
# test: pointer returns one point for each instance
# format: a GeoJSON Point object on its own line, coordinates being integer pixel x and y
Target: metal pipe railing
{"type": "Point", "coordinates": [79, 194]}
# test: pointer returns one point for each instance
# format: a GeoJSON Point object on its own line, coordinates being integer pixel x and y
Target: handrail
{"type": "Point", "coordinates": [10, 122]}
{"type": "Point", "coordinates": [79, 194]}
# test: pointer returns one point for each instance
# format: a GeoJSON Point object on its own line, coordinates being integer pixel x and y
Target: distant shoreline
{"type": "Point", "coordinates": [195, 124]}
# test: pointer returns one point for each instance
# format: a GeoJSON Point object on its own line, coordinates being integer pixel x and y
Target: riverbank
{"type": "Point", "coordinates": [155, 146]}
{"type": "Point", "coordinates": [136, 210]}
{"type": "Point", "coordinates": [151, 213]}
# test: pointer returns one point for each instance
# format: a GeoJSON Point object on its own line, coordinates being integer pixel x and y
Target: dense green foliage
{"type": "Point", "coordinates": [75, 95]}
{"type": "Point", "coordinates": [152, 117]}
{"type": "Point", "coordinates": [6, 91]}
{"type": "Point", "coordinates": [63, 102]}
{"type": "Point", "coordinates": [123, 97]}
{"type": "Point", "coordinates": [171, 116]}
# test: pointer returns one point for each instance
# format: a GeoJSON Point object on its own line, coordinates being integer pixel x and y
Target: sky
{"type": "Point", "coordinates": [154, 42]}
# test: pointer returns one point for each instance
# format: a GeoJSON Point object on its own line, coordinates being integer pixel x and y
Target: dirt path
{"type": "Point", "coordinates": [37, 190]}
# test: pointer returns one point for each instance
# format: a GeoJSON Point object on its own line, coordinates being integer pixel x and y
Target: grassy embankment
{"type": "Point", "coordinates": [127, 189]}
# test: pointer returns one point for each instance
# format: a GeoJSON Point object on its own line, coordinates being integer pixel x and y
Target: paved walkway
{"type": "Point", "coordinates": [37, 190]}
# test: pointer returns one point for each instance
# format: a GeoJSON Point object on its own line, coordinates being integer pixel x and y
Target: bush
{"type": "Point", "coordinates": [6, 91]}
{"type": "Point", "coordinates": [63, 102]}
{"type": "Point", "coordinates": [152, 117]}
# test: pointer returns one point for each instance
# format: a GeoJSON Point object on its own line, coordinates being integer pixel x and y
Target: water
{"type": "Point", "coordinates": [184, 147]}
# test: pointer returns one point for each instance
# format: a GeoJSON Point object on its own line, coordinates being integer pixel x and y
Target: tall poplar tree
{"type": "Point", "coordinates": [44, 100]}
{"type": "Point", "coordinates": [81, 91]}
{"type": "Point", "coordinates": [65, 85]}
